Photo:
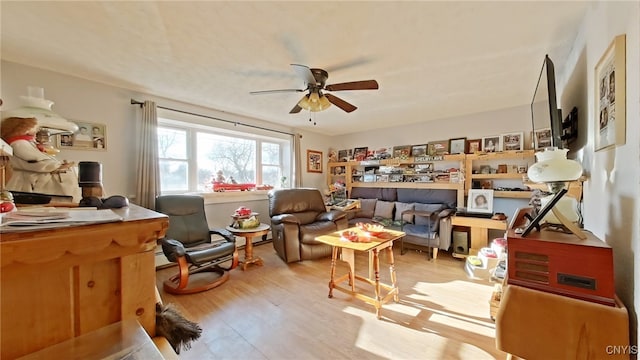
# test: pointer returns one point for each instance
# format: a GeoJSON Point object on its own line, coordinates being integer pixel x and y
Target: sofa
{"type": "Point", "coordinates": [423, 214]}
{"type": "Point", "coordinates": [298, 216]}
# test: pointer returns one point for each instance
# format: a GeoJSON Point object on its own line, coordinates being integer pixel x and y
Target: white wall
{"type": "Point", "coordinates": [612, 192]}
{"type": "Point", "coordinates": [83, 100]}
{"type": "Point", "coordinates": [472, 126]}
{"type": "Point", "coordinates": [317, 142]}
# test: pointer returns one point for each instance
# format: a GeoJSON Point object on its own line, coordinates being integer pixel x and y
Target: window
{"type": "Point", "coordinates": [191, 155]}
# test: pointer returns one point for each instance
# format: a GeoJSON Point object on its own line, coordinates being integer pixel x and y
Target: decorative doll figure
{"type": "Point", "coordinates": [220, 177]}
{"type": "Point", "coordinates": [34, 170]}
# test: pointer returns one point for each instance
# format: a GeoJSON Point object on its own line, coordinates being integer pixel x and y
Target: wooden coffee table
{"type": "Point", "coordinates": [348, 248]}
{"type": "Point", "coordinates": [249, 234]}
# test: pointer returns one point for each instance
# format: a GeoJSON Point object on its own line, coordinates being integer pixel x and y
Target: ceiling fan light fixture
{"type": "Point", "coordinates": [321, 103]}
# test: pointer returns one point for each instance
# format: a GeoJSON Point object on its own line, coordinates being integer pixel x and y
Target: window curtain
{"type": "Point", "coordinates": [297, 160]}
{"type": "Point", "coordinates": [148, 171]}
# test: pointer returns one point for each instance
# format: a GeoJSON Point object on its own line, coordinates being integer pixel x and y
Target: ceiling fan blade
{"type": "Point", "coordinates": [305, 73]}
{"type": "Point", "coordinates": [275, 91]}
{"type": "Point", "coordinates": [340, 103]}
{"type": "Point", "coordinates": [296, 109]}
{"type": "Point", "coordinates": [354, 85]}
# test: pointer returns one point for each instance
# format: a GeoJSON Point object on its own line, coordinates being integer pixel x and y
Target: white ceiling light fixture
{"type": "Point", "coordinates": [34, 105]}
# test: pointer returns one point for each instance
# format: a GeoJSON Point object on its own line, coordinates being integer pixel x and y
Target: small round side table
{"type": "Point", "coordinates": [249, 234]}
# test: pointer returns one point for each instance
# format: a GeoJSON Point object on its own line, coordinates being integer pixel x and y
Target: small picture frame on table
{"type": "Point", "coordinates": [512, 141]}
{"type": "Point", "coordinates": [458, 145]}
{"type": "Point", "coordinates": [480, 201]}
{"type": "Point", "coordinates": [314, 161]}
{"type": "Point", "coordinates": [474, 146]}
{"type": "Point", "coordinates": [491, 144]}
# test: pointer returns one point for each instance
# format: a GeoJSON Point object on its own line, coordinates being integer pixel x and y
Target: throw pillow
{"type": "Point", "coordinates": [367, 208]}
{"type": "Point", "coordinates": [384, 209]}
{"type": "Point", "coordinates": [400, 207]}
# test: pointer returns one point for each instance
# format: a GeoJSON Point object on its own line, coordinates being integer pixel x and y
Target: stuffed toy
{"type": "Point", "coordinates": [34, 170]}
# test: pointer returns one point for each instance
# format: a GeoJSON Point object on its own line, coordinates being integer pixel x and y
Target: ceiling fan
{"type": "Point", "coordinates": [317, 99]}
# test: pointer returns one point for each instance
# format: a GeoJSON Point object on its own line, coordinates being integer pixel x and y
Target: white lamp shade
{"type": "Point", "coordinates": [40, 108]}
{"type": "Point", "coordinates": [553, 166]}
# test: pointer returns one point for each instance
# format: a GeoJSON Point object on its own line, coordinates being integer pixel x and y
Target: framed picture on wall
{"type": "Point", "coordinates": [314, 161]}
{"type": "Point", "coordinates": [90, 136]}
{"type": "Point", "coordinates": [610, 113]}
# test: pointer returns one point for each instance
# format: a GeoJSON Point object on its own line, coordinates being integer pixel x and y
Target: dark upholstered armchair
{"type": "Point", "coordinates": [297, 217]}
{"type": "Point", "coordinates": [188, 242]}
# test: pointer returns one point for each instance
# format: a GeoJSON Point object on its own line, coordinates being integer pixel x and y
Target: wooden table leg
{"type": "Point", "coordinates": [334, 257]}
{"type": "Point", "coordinates": [248, 254]}
{"type": "Point", "coordinates": [392, 271]}
{"type": "Point", "coordinates": [376, 268]}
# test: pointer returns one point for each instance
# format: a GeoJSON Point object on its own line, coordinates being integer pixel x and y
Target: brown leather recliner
{"type": "Point", "coordinates": [297, 217]}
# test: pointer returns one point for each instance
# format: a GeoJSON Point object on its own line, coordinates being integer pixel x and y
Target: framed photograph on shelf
{"type": "Point", "coordinates": [458, 145]}
{"type": "Point", "coordinates": [610, 112]}
{"type": "Point", "coordinates": [541, 138]}
{"type": "Point", "coordinates": [491, 144]}
{"type": "Point", "coordinates": [90, 136]}
{"type": "Point", "coordinates": [401, 152]}
{"type": "Point", "coordinates": [480, 201]}
{"type": "Point", "coordinates": [360, 153]}
{"type": "Point", "coordinates": [314, 161]}
{"type": "Point", "coordinates": [345, 155]}
{"type": "Point", "coordinates": [512, 141]}
{"type": "Point", "coordinates": [419, 150]}
{"type": "Point", "coordinates": [474, 145]}
{"type": "Point", "coordinates": [440, 147]}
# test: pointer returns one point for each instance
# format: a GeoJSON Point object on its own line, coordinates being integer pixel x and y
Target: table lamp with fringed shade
{"type": "Point", "coordinates": [554, 169]}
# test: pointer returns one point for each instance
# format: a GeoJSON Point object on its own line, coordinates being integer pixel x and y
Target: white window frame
{"type": "Point", "coordinates": [192, 129]}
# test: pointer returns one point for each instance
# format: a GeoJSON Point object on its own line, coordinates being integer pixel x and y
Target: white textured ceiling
{"type": "Point", "coordinates": [433, 60]}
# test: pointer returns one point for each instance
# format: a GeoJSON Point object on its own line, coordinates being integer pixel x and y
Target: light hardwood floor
{"type": "Point", "coordinates": [281, 311]}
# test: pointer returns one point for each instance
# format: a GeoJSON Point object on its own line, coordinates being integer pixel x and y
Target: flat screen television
{"type": "Point", "coordinates": [546, 118]}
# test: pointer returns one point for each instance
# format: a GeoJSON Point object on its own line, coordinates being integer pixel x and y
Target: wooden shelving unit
{"type": "Point", "coordinates": [345, 174]}
{"type": "Point", "coordinates": [465, 162]}
{"type": "Point", "coordinates": [509, 158]}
